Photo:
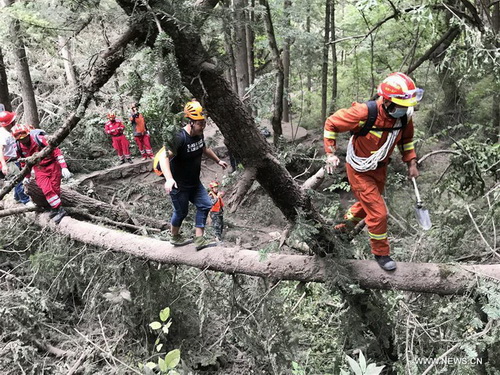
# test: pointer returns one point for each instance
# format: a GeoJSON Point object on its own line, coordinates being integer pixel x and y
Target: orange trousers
{"type": "Point", "coordinates": [367, 188]}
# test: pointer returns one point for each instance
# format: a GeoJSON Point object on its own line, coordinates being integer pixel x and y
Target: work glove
{"type": "Point", "coordinates": [26, 180]}
{"type": "Point", "coordinates": [66, 173]}
{"type": "Point", "coordinates": [5, 170]}
{"type": "Point", "coordinates": [332, 162]}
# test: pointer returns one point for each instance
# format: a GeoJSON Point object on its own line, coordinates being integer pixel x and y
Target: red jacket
{"type": "Point", "coordinates": [32, 148]}
{"type": "Point", "coordinates": [114, 128]}
{"type": "Point", "coordinates": [351, 119]}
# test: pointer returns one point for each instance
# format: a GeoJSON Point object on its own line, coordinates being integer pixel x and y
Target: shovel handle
{"type": "Point", "coordinates": [416, 190]}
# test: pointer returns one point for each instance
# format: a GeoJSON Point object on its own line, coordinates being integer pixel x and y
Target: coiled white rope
{"type": "Point", "coordinates": [370, 163]}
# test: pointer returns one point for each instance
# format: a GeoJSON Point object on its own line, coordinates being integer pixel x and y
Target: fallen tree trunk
{"type": "Point", "coordinates": [115, 173]}
{"type": "Point", "coordinates": [71, 198]}
{"type": "Point", "coordinates": [440, 279]}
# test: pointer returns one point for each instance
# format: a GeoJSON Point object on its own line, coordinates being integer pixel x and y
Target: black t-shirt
{"type": "Point", "coordinates": [186, 163]}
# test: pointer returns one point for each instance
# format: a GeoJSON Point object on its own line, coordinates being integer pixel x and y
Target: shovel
{"type": "Point", "coordinates": [421, 213]}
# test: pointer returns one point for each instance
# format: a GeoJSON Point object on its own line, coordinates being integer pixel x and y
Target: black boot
{"type": "Point", "coordinates": [385, 262]}
{"type": "Point", "coordinates": [60, 213]}
{"type": "Point", "coordinates": [52, 212]}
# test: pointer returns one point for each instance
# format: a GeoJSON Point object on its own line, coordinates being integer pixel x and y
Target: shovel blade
{"type": "Point", "coordinates": [423, 218]}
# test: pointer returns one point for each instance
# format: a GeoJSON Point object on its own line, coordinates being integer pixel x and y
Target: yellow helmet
{"type": "Point", "coordinates": [194, 110]}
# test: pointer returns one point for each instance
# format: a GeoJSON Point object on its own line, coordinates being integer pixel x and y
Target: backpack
{"type": "Point", "coordinates": [35, 133]}
{"type": "Point", "coordinates": [372, 117]}
{"type": "Point", "coordinates": [159, 154]}
{"type": "Point", "coordinates": [156, 161]}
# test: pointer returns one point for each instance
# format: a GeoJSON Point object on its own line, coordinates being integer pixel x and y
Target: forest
{"type": "Point", "coordinates": [104, 291]}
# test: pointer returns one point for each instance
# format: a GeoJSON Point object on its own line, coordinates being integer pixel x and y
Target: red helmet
{"type": "Point", "coordinates": [213, 184]}
{"type": "Point", "coordinates": [20, 131]}
{"type": "Point", "coordinates": [400, 89]}
{"type": "Point", "coordinates": [6, 118]}
{"type": "Point", "coordinates": [111, 116]}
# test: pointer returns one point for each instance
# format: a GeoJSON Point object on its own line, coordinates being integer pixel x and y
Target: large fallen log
{"type": "Point", "coordinates": [440, 279]}
{"type": "Point", "coordinates": [71, 198]}
{"type": "Point", "coordinates": [115, 173]}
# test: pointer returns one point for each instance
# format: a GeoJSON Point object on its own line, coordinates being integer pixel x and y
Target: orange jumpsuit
{"type": "Point", "coordinates": [368, 186]}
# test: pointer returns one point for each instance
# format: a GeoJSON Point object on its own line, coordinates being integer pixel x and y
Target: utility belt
{"type": "Point", "coordinates": [117, 135]}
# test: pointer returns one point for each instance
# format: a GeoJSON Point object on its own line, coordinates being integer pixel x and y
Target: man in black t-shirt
{"type": "Point", "coordinates": [182, 176]}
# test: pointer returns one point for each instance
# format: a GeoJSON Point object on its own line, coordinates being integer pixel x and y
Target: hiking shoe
{"type": "Point", "coordinates": [144, 158]}
{"type": "Point", "coordinates": [385, 262]}
{"type": "Point", "coordinates": [60, 213]}
{"type": "Point", "coordinates": [29, 204]}
{"type": "Point", "coordinates": [121, 162]}
{"type": "Point", "coordinates": [203, 242]}
{"type": "Point", "coordinates": [130, 161]}
{"type": "Point", "coordinates": [180, 240]}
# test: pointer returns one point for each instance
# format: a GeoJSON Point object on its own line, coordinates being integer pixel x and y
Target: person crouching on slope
{"type": "Point", "coordinates": [48, 172]}
{"type": "Point", "coordinates": [368, 155]}
{"type": "Point", "coordinates": [115, 129]}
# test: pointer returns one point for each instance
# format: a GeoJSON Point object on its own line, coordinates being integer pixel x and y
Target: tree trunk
{"type": "Point", "coordinates": [228, 42]}
{"type": "Point", "coordinates": [250, 43]}
{"type": "Point", "coordinates": [433, 278]}
{"type": "Point", "coordinates": [69, 66]}
{"type": "Point", "coordinates": [495, 109]}
{"type": "Point", "coordinates": [240, 52]}
{"type": "Point", "coordinates": [278, 65]}
{"type": "Point", "coordinates": [287, 5]}
{"type": "Point", "coordinates": [324, 69]}
{"type": "Point", "coordinates": [71, 198]}
{"type": "Point", "coordinates": [4, 85]}
{"type": "Point", "coordinates": [30, 109]}
{"type": "Point", "coordinates": [333, 36]}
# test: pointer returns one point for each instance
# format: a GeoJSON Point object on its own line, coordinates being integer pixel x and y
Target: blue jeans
{"type": "Point", "coordinates": [180, 201]}
{"type": "Point", "coordinates": [20, 195]}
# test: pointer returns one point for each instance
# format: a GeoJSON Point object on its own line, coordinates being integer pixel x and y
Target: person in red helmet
{"type": "Point", "coordinates": [368, 154]}
{"type": "Point", "coordinates": [7, 120]}
{"type": "Point", "coordinates": [48, 172]}
{"type": "Point", "coordinates": [217, 210]}
{"type": "Point", "coordinates": [141, 133]}
{"type": "Point", "coordinates": [8, 154]}
{"type": "Point", "coordinates": [115, 129]}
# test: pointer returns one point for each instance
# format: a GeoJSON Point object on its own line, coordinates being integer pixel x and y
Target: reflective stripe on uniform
{"type": "Point", "coordinates": [408, 146]}
{"type": "Point", "coordinates": [329, 135]}
{"type": "Point", "coordinates": [381, 236]}
{"type": "Point", "coordinates": [54, 201]}
{"type": "Point", "coordinates": [376, 133]}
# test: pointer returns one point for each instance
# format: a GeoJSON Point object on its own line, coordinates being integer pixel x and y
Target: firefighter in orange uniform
{"type": "Point", "coordinates": [141, 133]}
{"type": "Point", "coordinates": [368, 155]}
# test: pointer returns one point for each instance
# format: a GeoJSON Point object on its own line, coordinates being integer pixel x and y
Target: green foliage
{"type": "Point", "coordinates": [167, 364]}
{"type": "Point", "coordinates": [361, 367]}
